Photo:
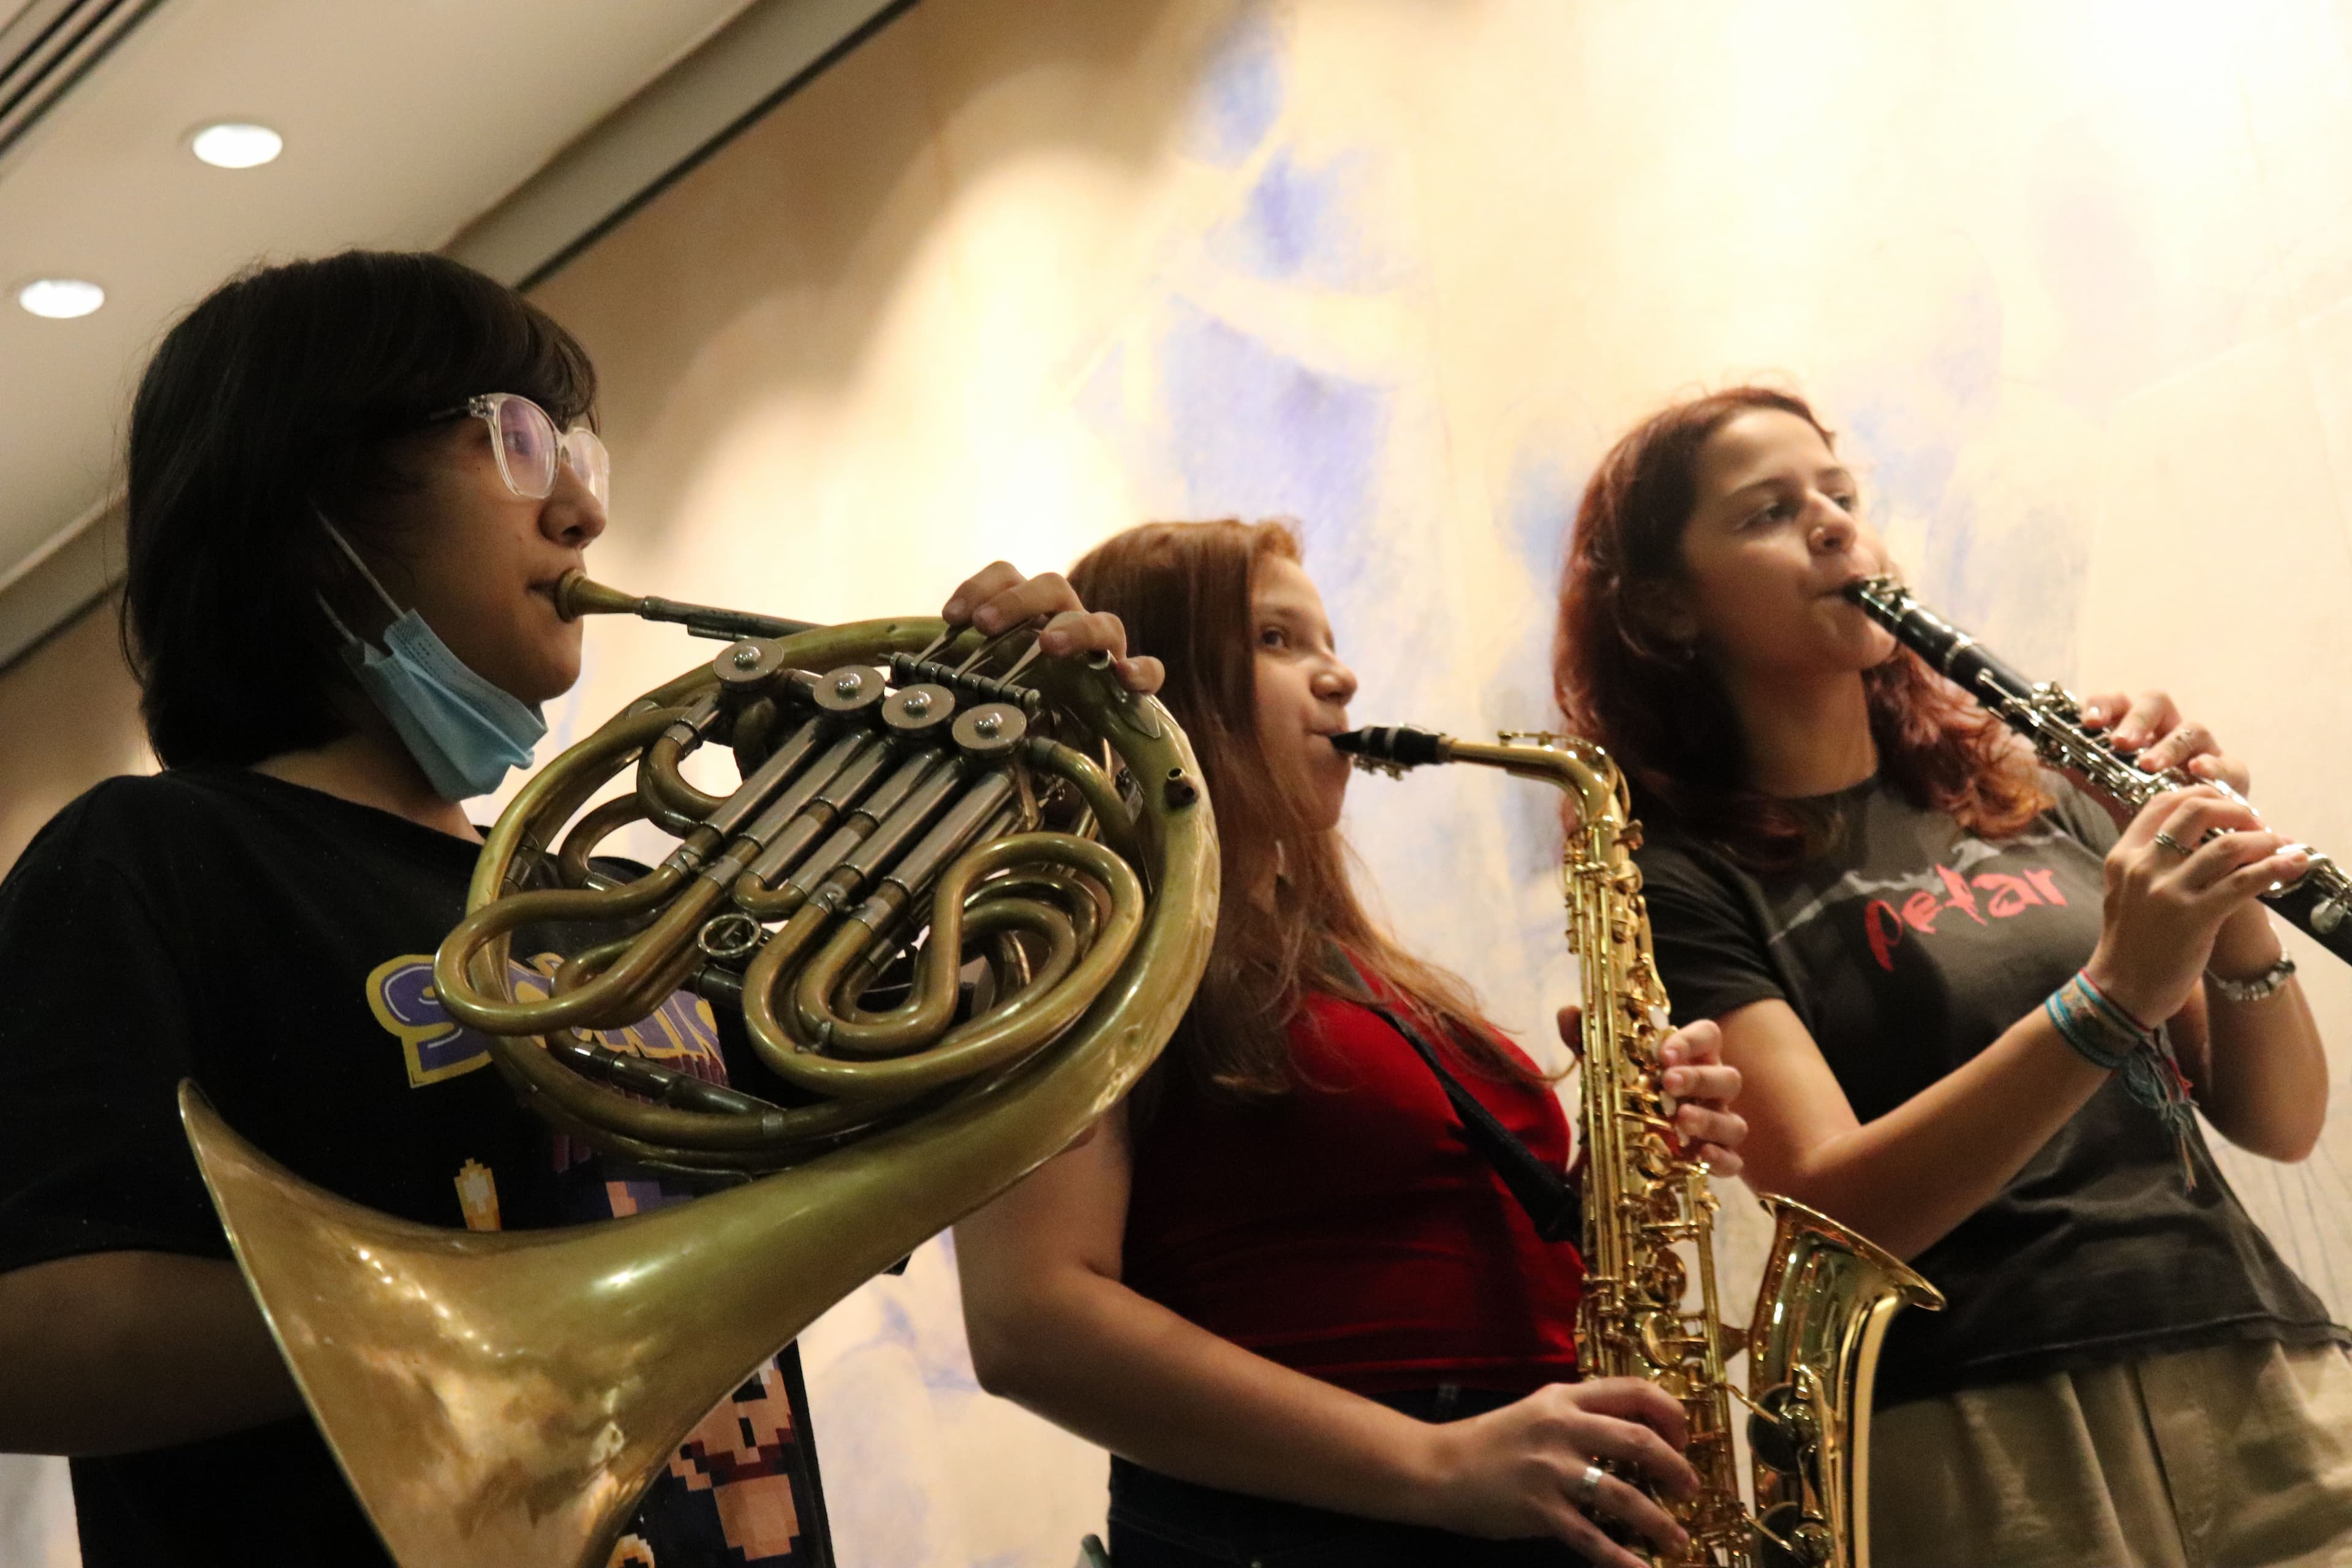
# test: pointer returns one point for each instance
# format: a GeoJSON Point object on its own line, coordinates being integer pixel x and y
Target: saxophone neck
{"type": "Point", "coordinates": [1577, 768]}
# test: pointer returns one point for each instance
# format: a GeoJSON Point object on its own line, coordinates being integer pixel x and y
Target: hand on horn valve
{"type": "Point", "coordinates": [999, 596]}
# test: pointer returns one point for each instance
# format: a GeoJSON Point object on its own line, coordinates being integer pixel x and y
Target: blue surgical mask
{"type": "Point", "coordinates": [466, 732]}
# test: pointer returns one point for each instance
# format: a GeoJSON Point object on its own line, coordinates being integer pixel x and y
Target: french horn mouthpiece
{"type": "Point", "coordinates": [578, 594]}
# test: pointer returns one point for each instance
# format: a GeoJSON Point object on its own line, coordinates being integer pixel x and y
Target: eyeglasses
{"type": "Point", "coordinates": [524, 437]}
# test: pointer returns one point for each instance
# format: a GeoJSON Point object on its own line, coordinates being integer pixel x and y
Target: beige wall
{"type": "Point", "coordinates": [2075, 276]}
{"type": "Point", "coordinates": [69, 718]}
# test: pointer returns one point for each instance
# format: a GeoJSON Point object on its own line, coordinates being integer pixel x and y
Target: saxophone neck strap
{"type": "Point", "coordinates": [1552, 1202]}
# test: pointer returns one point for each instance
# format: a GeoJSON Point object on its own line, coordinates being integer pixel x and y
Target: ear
{"type": "Point", "coordinates": [1661, 610]}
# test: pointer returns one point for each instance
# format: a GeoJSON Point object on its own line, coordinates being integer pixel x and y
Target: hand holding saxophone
{"type": "Point", "coordinates": [1702, 1085]}
{"type": "Point", "coordinates": [1521, 1470]}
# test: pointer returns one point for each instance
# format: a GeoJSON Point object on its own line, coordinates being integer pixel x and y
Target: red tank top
{"type": "Point", "coordinates": [1348, 1229]}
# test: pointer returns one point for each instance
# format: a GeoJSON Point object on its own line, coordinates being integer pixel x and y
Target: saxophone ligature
{"type": "Point", "coordinates": [1828, 1294]}
{"type": "Point", "coordinates": [960, 895]}
{"type": "Point", "coordinates": [2050, 717]}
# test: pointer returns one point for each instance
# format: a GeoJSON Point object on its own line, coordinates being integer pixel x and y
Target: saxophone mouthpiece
{"type": "Point", "coordinates": [1390, 746]}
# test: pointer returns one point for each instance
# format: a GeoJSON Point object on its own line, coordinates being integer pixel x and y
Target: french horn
{"type": "Point", "coordinates": [961, 894]}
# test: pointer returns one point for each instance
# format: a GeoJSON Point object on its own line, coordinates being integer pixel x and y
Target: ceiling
{"type": "Point", "coordinates": [524, 123]}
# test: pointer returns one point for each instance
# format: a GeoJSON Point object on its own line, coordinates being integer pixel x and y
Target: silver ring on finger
{"type": "Point", "coordinates": [1588, 1486]}
{"type": "Point", "coordinates": [2170, 842]}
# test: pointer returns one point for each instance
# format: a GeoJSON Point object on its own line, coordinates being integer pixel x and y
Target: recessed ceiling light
{"type": "Point", "coordinates": [60, 299]}
{"type": "Point", "coordinates": [233, 144]}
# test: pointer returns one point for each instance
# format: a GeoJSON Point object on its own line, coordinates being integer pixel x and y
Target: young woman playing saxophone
{"type": "Point", "coordinates": [1298, 1306]}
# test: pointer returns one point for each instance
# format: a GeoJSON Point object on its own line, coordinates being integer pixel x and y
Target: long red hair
{"type": "Point", "coordinates": [1182, 589]}
{"type": "Point", "coordinates": [1665, 715]}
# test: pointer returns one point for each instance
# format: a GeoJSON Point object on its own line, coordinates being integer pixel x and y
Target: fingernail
{"type": "Point", "coordinates": [989, 618]}
{"type": "Point", "coordinates": [1677, 1081]}
{"type": "Point", "coordinates": [1055, 642]}
{"type": "Point", "coordinates": [954, 611]}
{"type": "Point", "coordinates": [1672, 1055]}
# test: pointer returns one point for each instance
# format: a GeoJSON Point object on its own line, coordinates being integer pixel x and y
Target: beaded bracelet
{"type": "Point", "coordinates": [2260, 988]}
{"type": "Point", "coordinates": [2108, 1038]}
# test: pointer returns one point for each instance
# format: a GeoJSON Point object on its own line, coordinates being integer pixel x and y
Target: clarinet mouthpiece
{"type": "Point", "coordinates": [1876, 592]}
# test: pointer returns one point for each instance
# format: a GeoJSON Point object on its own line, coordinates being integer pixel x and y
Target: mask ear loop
{"type": "Point", "coordinates": [335, 620]}
{"type": "Point", "coordinates": [337, 535]}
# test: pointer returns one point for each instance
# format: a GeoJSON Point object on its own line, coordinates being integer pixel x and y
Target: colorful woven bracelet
{"type": "Point", "coordinates": [2112, 1008]}
{"type": "Point", "coordinates": [2101, 1036]}
{"type": "Point", "coordinates": [2110, 1038]}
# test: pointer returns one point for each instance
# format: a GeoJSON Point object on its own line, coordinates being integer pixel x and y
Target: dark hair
{"type": "Point", "coordinates": [1665, 715]}
{"type": "Point", "coordinates": [1182, 589]}
{"type": "Point", "coordinates": [270, 401]}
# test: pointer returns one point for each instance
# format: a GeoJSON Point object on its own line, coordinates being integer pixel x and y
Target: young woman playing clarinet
{"type": "Point", "coordinates": [353, 485]}
{"type": "Point", "coordinates": [1280, 1284]}
{"type": "Point", "coordinates": [1971, 1013]}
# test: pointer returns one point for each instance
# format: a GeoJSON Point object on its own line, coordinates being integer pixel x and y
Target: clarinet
{"type": "Point", "coordinates": [2050, 717]}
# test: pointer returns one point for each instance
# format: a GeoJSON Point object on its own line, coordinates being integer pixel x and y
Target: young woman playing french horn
{"type": "Point", "coordinates": [1280, 1284]}
{"type": "Point", "coordinates": [1969, 1011]}
{"type": "Point", "coordinates": [353, 485]}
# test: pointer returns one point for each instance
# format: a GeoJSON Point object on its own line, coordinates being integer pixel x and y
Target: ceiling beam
{"type": "Point", "coordinates": [764, 56]}
{"type": "Point", "coordinates": [48, 47]}
{"type": "Point", "coordinates": [50, 589]}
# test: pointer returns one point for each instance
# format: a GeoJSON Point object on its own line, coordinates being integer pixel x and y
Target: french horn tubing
{"type": "Point", "coordinates": [960, 895]}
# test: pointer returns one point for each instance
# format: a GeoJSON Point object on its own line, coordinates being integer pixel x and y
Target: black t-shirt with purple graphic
{"type": "Point", "coordinates": [275, 943]}
{"type": "Point", "coordinates": [1908, 948]}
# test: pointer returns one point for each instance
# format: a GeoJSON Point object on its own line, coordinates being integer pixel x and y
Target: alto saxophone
{"type": "Point", "coordinates": [1828, 1294]}
{"type": "Point", "coordinates": [2050, 717]}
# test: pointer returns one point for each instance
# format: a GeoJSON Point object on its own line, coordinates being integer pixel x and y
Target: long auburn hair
{"type": "Point", "coordinates": [1182, 589]}
{"type": "Point", "coordinates": [1665, 714]}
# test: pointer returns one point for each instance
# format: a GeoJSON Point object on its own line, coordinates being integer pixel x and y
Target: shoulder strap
{"type": "Point", "coordinates": [1551, 1201]}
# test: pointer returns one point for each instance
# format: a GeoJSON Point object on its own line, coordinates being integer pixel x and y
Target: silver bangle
{"type": "Point", "coordinates": [2260, 987]}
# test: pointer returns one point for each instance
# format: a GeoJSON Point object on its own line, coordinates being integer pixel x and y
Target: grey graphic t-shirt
{"type": "Point", "coordinates": [1908, 948]}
